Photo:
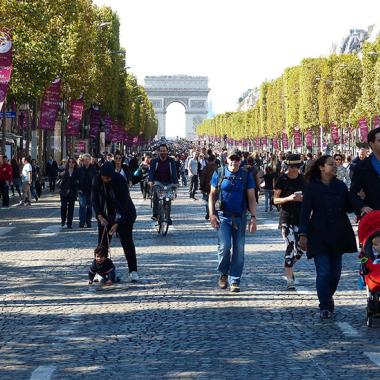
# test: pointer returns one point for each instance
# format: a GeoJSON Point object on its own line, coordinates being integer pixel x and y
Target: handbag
{"type": "Point", "coordinates": [138, 173]}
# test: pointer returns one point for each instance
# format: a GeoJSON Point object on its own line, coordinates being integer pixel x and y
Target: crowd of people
{"type": "Point", "coordinates": [312, 195]}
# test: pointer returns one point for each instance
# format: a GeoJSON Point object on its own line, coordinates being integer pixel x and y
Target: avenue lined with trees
{"type": "Point", "coordinates": [79, 43]}
{"type": "Point", "coordinates": [332, 94]}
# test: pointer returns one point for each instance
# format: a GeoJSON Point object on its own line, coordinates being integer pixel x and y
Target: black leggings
{"type": "Point", "coordinates": [124, 231]}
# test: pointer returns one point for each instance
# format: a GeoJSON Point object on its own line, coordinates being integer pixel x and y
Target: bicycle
{"type": "Point", "coordinates": [165, 194]}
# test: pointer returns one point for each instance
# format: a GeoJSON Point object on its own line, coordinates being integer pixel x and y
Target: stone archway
{"type": "Point", "coordinates": [191, 92]}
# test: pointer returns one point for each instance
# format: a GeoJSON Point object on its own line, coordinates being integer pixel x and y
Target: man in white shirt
{"type": "Point", "coordinates": [26, 178]}
{"type": "Point", "coordinates": [193, 174]}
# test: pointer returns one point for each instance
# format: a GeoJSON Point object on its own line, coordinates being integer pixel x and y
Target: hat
{"type": "Point", "coordinates": [294, 159]}
{"type": "Point", "coordinates": [234, 152]}
{"type": "Point", "coordinates": [107, 169]}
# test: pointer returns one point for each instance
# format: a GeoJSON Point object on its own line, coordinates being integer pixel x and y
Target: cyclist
{"type": "Point", "coordinates": [162, 169]}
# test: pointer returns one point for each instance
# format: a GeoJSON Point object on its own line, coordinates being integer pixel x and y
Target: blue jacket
{"type": "Point", "coordinates": [172, 166]}
{"type": "Point", "coordinates": [324, 219]}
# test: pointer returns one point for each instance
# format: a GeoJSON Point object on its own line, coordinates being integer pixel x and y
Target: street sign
{"type": "Point", "coordinates": [9, 115]}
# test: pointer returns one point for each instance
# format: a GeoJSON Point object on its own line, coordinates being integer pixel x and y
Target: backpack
{"type": "Point", "coordinates": [221, 177]}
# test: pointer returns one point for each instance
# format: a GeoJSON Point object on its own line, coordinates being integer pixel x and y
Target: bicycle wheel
{"type": "Point", "coordinates": [165, 225]}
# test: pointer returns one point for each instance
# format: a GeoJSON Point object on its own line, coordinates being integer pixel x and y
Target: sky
{"type": "Point", "coordinates": [236, 43]}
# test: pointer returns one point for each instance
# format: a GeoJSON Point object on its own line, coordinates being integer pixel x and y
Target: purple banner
{"type": "Point", "coordinates": [363, 127]}
{"type": "Point", "coordinates": [285, 141]}
{"type": "Point", "coordinates": [49, 106]}
{"type": "Point", "coordinates": [264, 141]}
{"type": "Point", "coordinates": [376, 122]}
{"type": "Point", "coordinates": [75, 118]}
{"type": "Point", "coordinates": [275, 143]}
{"type": "Point", "coordinates": [297, 138]}
{"type": "Point", "coordinates": [309, 138]}
{"type": "Point", "coordinates": [108, 128]}
{"type": "Point", "coordinates": [22, 121]}
{"type": "Point", "coordinates": [5, 64]}
{"type": "Point", "coordinates": [94, 123]}
{"type": "Point", "coordinates": [334, 133]}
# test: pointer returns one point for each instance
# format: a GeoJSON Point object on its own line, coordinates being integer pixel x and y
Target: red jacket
{"type": "Point", "coordinates": [5, 172]}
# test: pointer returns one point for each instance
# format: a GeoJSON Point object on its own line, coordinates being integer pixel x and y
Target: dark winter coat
{"type": "Point", "coordinates": [124, 209]}
{"type": "Point", "coordinates": [85, 178]}
{"type": "Point", "coordinates": [69, 184]}
{"type": "Point", "coordinates": [324, 219]}
{"type": "Point", "coordinates": [52, 169]}
{"type": "Point", "coordinates": [365, 178]}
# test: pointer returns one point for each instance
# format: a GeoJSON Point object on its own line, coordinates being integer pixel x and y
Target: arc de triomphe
{"type": "Point", "coordinates": [191, 92]}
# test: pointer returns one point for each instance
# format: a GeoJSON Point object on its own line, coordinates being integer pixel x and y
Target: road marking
{"type": "Point", "coordinates": [5, 230]}
{"type": "Point", "coordinates": [374, 357]}
{"type": "Point", "coordinates": [303, 291]}
{"type": "Point", "coordinates": [43, 372]}
{"type": "Point", "coordinates": [347, 329]}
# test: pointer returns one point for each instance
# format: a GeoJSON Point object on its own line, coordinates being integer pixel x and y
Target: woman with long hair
{"type": "Point", "coordinates": [325, 230]}
{"type": "Point", "coordinates": [121, 167]}
{"type": "Point", "coordinates": [68, 192]}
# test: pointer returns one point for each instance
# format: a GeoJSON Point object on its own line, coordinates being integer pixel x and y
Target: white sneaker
{"type": "Point", "coordinates": [290, 284]}
{"type": "Point", "coordinates": [134, 276]}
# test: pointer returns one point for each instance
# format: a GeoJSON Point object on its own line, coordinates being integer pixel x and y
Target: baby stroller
{"type": "Point", "coordinates": [369, 226]}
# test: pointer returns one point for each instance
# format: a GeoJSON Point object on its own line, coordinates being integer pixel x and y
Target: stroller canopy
{"type": "Point", "coordinates": [368, 225]}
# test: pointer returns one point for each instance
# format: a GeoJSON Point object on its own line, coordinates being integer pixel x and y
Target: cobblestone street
{"type": "Point", "coordinates": [174, 323]}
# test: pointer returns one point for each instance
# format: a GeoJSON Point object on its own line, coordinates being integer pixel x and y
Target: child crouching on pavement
{"type": "Point", "coordinates": [103, 267]}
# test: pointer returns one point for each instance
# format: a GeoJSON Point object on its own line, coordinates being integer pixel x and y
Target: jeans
{"type": "Point", "coordinates": [67, 210]}
{"type": "Point", "coordinates": [124, 231]}
{"type": "Point", "coordinates": [4, 189]}
{"type": "Point", "coordinates": [26, 194]}
{"type": "Point", "coordinates": [85, 209]}
{"type": "Point", "coordinates": [52, 181]}
{"type": "Point", "coordinates": [268, 200]}
{"type": "Point", "coordinates": [193, 185]}
{"type": "Point", "coordinates": [205, 199]}
{"type": "Point", "coordinates": [16, 185]}
{"type": "Point", "coordinates": [231, 235]}
{"type": "Point", "coordinates": [328, 270]}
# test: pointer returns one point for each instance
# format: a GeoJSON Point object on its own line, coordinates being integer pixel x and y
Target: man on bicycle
{"type": "Point", "coordinates": [163, 170]}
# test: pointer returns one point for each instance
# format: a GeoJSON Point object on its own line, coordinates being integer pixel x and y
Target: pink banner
{"type": "Point", "coordinates": [376, 122]}
{"type": "Point", "coordinates": [309, 138]}
{"type": "Point", "coordinates": [94, 123]}
{"type": "Point", "coordinates": [334, 133]}
{"type": "Point", "coordinates": [108, 128]}
{"type": "Point", "coordinates": [285, 141]}
{"type": "Point", "coordinates": [363, 127]}
{"type": "Point", "coordinates": [22, 121]}
{"type": "Point", "coordinates": [75, 118]}
{"type": "Point", "coordinates": [297, 138]}
{"type": "Point", "coordinates": [264, 141]}
{"type": "Point", "coordinates": [275, 143]}
{"type": "Point", "coordinates": [257, 142]}
{"type": "Point", "coordinates": [5, 64]}
{"type": "Point", "coordinates": [49, 106]}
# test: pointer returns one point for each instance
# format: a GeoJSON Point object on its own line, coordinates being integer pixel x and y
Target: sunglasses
{"type": "Point", "coordinates": [338, 159]}
{"type": "Point", "coordinates": [117, 158]}
{"type": "Point", "coordinates": [235, 158]}
{"type": "Point", "coordinates": [294, 166]}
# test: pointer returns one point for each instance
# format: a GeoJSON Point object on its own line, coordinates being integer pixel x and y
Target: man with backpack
{"type": "Point", "coordinates": [232, 194]}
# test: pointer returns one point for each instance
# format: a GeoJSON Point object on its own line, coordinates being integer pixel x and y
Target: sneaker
{"type": "Point", "coordinates": [154, 218]}
{"type": "Point", "coordinates": [234, 287]}
{"type": "Point", "coordinates": [290, 284]}
{"type": "Point", "coordinates": [170, 222]}
{"type": "Point", "coordinates": [325, 314]}
{"type": "Point", "coordinates": [134, 276]}
{"type": "Point", "coordinates": [223, 281]}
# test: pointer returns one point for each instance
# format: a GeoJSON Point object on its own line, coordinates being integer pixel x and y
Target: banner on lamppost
{"type": "Point", "coordinates": [363, 128]}
{"type": "Point", "coordinates": [376, 122]}
{"type": "Point", "coordinates": [108, 128]}
{"type": "Point", "coordinates": [5, 64]}
{"type": "Point", "coordinates": [285, 141]}
{"type": "Point", "coordinates": [309, 138]}
{"type": "Point", "coordinates": [297, 138]}
{"type": "Point", "coordinates": [50, 105]}
{"type": "Point", "coordinates": [264, 141]}
{"type": "Point", "coordinates": [75, 118]}
{"type": "Point", "coordinates": [335, 133]}
{"type": "Point", "coordinates": [22, 120]}
{"type": "Point", "coordinates": [94, 123]}
{"type": "Point", "coordinates": [275, 143]}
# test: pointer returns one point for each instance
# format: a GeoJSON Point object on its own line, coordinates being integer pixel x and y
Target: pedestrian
{"type": "Point", "coordinates": [102, 269]}
{"type": "Point", "coordinates": [193, 174]}
{"type": "Point", "coordinates": [68, 192]}
{"type": "Point", "coordinates": [232, 194]}
{"type": "Point", "coordinates": [121, 166]}
{"type": "Point", "coordinates": [205, 180]}
{"type": "Point", "coordinates": [268, 188]}
{"type": "Point", "coordinates": [16, 177]}
{"type": "Point", "coordinates": [325, 229]}
{"type": "Point", "coordinates": [86, 174]}
{"type": "Point", "coordinates": [35, 176]}
{"type": "Point", "coordinates": [26, 182]}
{"type": "Point", "coordinates": [52, 173]}
{"type": "Point", "coordinates": [116, 212]}
{"type": "Point", "coordinates": [341, 171]}
{"type": "Point", "coordinates": [366, 177]}
{"type": "Point", "coordinates": [5, 179]}
{"type": "Point", "coordinates": [288, 194]}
